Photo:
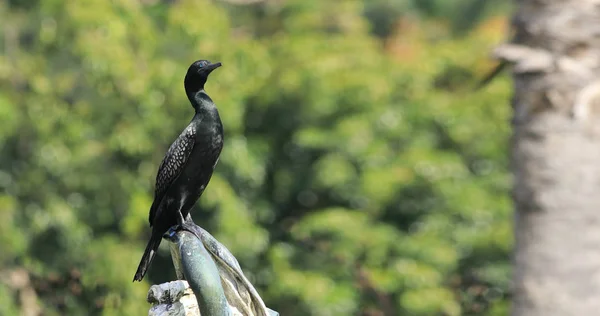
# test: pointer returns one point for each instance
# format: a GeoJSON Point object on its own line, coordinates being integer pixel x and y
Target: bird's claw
{"type": "Point", "coordinates": [170, 234]}
{"type": "Point", "coordinates": [187, 225]}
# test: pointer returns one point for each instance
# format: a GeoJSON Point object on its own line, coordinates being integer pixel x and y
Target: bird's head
{"type": "Point", "coordinates": [197, 75]}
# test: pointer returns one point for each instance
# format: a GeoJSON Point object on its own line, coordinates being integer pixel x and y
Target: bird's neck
{"type": "Point", "coordinates": [201, 102]}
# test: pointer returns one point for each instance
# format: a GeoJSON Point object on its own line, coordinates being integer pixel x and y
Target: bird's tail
{"type": "Point", "coordinates": [149, 254]}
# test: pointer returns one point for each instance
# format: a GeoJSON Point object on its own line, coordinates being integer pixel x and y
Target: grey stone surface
{"type": "Point", "coordinates": [217, 284]}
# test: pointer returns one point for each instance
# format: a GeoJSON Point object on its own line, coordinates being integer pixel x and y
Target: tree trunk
{"type": "Point", "coordinates": [556, 156]}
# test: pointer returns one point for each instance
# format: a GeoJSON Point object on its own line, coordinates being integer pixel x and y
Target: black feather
{"type": "Point", "coordinates": [172, 165]}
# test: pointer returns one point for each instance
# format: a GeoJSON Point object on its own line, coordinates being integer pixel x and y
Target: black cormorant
{"type": "Point", "coordinates": [188, 164]}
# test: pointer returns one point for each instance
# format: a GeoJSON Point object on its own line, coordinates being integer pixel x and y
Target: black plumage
{"type": "Point", "coordinates": [188, 164]}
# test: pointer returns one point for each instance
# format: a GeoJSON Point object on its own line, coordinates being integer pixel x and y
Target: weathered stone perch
{"type": "Point", "coordinates": [173, 299]}
{"type": "Point", "coordinates": [217, 285]}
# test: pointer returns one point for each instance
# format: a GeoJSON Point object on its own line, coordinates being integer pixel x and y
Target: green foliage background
{"type": "Point", "coordinates": [361, 174]}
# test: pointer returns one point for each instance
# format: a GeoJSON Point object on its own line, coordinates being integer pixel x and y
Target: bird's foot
{"type": "Point", "coordinates": [170, 234]}
{"type": "Point", "coordinates": [188, 225]}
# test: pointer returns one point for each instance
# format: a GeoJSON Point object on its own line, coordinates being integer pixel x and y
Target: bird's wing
{"type": "Point", "coordinates": [170, 168]}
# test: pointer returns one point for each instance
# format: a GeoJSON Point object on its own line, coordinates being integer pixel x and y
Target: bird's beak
{"type": "Point", "coordinates": [211, 67]}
